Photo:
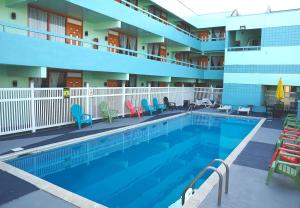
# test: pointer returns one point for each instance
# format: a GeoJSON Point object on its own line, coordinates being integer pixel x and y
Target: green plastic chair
{"type": "Point", "coordinates": [288, 169]}
{"type": "Point", "coordinates": [288, 118]}
{"type": "Point", "coordinates": [291, 120]}
{"type": "Point", "coordinates": [107, 113]}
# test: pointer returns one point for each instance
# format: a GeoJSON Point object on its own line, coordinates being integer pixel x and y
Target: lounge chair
{"type": "Point", "coordinates": [281, 166]}
{"type": "Point", "coordinates": [226, 108]}
{"type": "Point", "coordinates": [204, 102]}
{"type": "Point", "coordinates": [106, 112]}
{"type": "Point", "coordinates": [134, 110]}
{"type": "Point", "coordinates": [146, 107]}
{"type": "Point", "coordinates": [79, 117]}
{"type": "Point", "coordinates": [289, 118]}
{"type": "Point", "coordinates": [244, 110]}
{"type": "Point", "coordinates": [289, 148]}
{"type": "Point", "coordinates": [159, 106]}
{"type": "Point", "coordinates": [169, 105]}
{"type": "Point", "coordinates": [287, 138]}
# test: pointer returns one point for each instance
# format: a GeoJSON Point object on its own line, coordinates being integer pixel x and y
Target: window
{"type": "Point", "coordinates": [46, 22]}
{"type": "Point", "coordinates": [38, 20]}
{"type": "Point", "coordinates": [57, 26]}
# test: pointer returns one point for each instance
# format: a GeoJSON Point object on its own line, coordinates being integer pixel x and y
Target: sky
{"type": "Point", "coordinates": [215, 6]}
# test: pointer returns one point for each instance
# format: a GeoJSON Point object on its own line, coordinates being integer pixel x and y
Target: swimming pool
{"type": "Point", "coordinates": [147, 166]}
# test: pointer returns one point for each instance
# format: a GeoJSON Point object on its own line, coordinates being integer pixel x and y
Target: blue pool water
{"type": "Point", "coordinates": [143, 167]}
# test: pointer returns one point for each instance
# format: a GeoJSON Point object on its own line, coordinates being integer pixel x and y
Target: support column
{"type": "Point", "coordinates": [33, 125]}
{"type": "Point", "coordinates": [168, 85]}
{"type": "Point", "coordinates": [149, 92]}
{"type": "Point", "coordinates": [123, 97]}
{"type": "Point", "coordinates": [87, 99]}
{"type": "Point", "coordinates": [182, 93]}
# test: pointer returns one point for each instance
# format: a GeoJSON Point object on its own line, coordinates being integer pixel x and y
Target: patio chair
{"type": "Point", "coordinates": [169, 105]}
{"type": "Point", "coordinates": [159, 106]}
{"type": "Point", "coordinates": [79, 117]}
{"type": "Point", "coordinates": [289, 148]}
{"type": "Point", "coordinates": [289, 169]}
{"type": "Point", "coordinates": [242, 109]}
{"type": "Point", "coordinates": [286, 138]}
{"type": "Point", "coordinates": [107, 113]}
{"type": "Point", "coordinates": [134, 110]}
{"type": "Point", "coordinates": [226, 108]}
{"type": "Point", "coordinates": [288, 130]}
{"type": "Point", "coordinates": [293, 124]}
{"type": "Point", "coordinates": [289, 117]}
{"type": "Point", "coordinates": [146, 107]}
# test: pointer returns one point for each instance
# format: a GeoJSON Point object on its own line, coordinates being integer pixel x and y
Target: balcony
{"type": "Point", "coordinates": [213, 44]}
{"type": "Point", "coordinates": [19, 49]}
{"type": "Point", "coordinates": [159, 19]}
{"type": "Point", "coordinates": [244, 40]}
{"type": "Point", "coordinates": [147, 21]}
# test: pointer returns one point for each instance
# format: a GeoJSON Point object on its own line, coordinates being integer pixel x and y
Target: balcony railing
{"type": "Point", "coordinates": [244, 48]}
{"type": "Point", "coordinates": [211, 39]}
{"type": "Point", "coordinates": [138, 9]}
{"type": "Point", "coordinates": [17, 29]}
{"type": "Point", "coordinates": [212, 67]}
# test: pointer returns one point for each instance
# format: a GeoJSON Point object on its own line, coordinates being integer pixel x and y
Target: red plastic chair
{"type": "Point", "coordinates": [287, 148]}
{"type": "Point", "coordinates": [134, 110]}
{"type": "Point", "coordinates": [292, 131]}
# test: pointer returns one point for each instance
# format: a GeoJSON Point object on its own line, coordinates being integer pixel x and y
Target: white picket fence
{"type": "Point", "coordinates": [29, 109]}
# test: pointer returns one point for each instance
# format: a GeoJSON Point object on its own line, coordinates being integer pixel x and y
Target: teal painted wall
{"type": "Point", "coordinates": [21, 16]}
{"type": "Point", "coordinates": [6, 78]}
{"type": "Point", "coordinates": [243, 94]}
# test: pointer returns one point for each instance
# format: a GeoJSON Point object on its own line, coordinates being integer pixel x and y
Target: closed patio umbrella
{"type": "Point", "coordinates": [279, 91]}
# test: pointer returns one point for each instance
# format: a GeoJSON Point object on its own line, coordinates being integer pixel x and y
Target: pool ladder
{"type": "Point", "coordinates": [200, 174]}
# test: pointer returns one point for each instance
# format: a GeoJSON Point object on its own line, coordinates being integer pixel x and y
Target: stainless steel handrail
{"type": "Point", "coordinates": [199, 175]}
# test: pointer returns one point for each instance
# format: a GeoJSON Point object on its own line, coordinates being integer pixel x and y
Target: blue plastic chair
{"type": "Point", "coordinates": [79, 117]}
{"type": "Point", "coordinates": [159, 106]}
{"type": "Point", "coordinates": [146, 107]}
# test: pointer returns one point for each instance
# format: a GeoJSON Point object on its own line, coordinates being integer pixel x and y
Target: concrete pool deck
{"type": "Point", "coordinates": [247, 173]}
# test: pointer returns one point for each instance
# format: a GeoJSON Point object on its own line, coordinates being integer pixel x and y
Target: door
{"type": "Point", "coordinates": [203, 35]}
{"type": "Point", "coordinates": [74, 82]}
{"type": "Point", "coordinates": [113, 83]}
{"type": "Point", "coordinates": [178, 57]}
{"type": "Point", "coordinates": [162, 84]}
{"type": "Point", "coordinates": [203, 62]}
{"type": "Point", "coordinates": [163, 52]}
{"type": "Point", "coordinates": [113, 40]}
{"type": "Point", "coordinates": [222, 60]}
{"type": "Point", "coordinates": [74, 30]}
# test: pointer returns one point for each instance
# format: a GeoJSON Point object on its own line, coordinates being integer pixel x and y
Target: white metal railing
{"type": "Point", "coordinates": [29, 109]}
{"type": "Point", "coordinates": [211, 93]}
{"type": "Point", "coordinates": [13, 28]}
{"type": "Point", "coordinates": [244, 48]}
{"type": "Point", "coordinates": [211, 39]}
{"type": "Point", "coordinates": [139, 9]}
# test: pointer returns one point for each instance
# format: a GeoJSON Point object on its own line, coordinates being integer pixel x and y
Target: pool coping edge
{"type": "Point", "coordinates": [83, 202]}
{"type": "Point", "coordinates": [201, 193]}
{"type": "Point", "coordinates": [56, 190]}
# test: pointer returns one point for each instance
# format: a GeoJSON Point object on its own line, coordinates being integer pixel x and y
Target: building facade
{"type": "Point", "coordinates": [110, 43]}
